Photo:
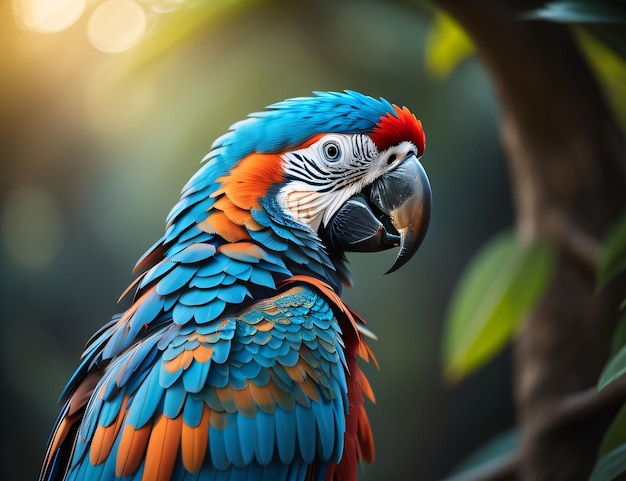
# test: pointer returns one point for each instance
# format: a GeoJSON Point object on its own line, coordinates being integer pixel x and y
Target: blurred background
{"type": "Point", "coordinates": [107, 107]}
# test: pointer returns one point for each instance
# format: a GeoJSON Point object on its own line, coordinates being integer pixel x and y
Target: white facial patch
{"type": "Point", "coordinates": [324, 175]}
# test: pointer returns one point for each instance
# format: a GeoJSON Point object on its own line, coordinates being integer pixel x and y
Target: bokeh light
{"type": "Point", "coordinates": [117, 25]}
{"type": "Point", "coordinates": [46, 16]}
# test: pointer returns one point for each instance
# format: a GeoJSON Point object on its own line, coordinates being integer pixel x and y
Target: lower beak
{"type": "Point", "coordinates": [393, 211]}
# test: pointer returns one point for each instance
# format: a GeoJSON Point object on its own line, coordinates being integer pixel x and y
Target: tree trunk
{"type": "Point", "coordinates": [566, 157]}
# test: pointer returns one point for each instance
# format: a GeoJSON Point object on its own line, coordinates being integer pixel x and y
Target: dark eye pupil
{"type": "Point", "coordinates": [332, 151]}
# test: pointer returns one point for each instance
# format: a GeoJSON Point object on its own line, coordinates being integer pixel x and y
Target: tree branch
{"type": "Point", "coordinates": [586, 404]}
{"type": "Point", "coordinates": [573, 240]}
{"type": "Point", "coordinates": [575, 408]}
{"type": "Point", "coordinates": [566, 157]}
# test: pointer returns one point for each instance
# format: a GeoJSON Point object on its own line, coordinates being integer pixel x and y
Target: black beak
{"type": "Point", "coordinates": [393, 211]}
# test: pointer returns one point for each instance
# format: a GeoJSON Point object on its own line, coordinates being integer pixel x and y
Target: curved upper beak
{"type": "Point", "coordinates": [404, 195]}
{"type": "Point", "coordinates": [393, 211]}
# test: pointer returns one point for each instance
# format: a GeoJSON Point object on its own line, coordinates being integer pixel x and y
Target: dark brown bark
{"type": "Point", "coordinates": [568, 172]}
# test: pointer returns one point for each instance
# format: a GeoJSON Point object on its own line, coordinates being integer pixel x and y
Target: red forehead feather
{"type": "Point", "coordinates": [393, 129]}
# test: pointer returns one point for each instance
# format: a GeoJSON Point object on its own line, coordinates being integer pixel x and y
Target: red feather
{"type": "Point", "coordinates": [398, 126]}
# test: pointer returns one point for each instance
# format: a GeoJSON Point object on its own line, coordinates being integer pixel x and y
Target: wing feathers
{"type": "Point", "coordinates": [261, 392]}
{"type": "Point", "coordinates": [132, 449]}
{"type": "Point", "coordinates": [105, 436]}
{"type": "Point", "coordinates": [162, 448]}
{"type": "Point", "coordinates": [194, 442]}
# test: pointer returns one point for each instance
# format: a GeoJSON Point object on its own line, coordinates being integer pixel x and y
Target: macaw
{"type": "Point", "coordinates": [237, 358]}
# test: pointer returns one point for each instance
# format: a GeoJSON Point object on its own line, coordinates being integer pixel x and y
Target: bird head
{"type": "Point", "coordinates": [312, 178]}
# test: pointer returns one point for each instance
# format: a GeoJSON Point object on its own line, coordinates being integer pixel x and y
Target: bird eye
{"type": "Point", "coordinates": [332, 151]}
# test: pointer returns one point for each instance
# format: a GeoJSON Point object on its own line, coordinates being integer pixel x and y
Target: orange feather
{"type": "Point", "coordinates": [262, 395]}
{"type": "Point", "coordinates": [202, 353]}
{"type": "Point", "coordinates": [250, 180]}
{"type": "Point", "coordinates": [131, 450]}
{"type": "Point", "coordinates": [245, 404]}
{"type": "Point", "coordinates": [194, 442]}
{"type": "Point", "coordinates": [105, 436]}
{"type": "Point", "coordinates": [218, 223]}
{"type": "Point", "coordinates": [218, 419]}
{"type": "Point", "coordinates": [163, 448]}
{"type": "Point", "coordinates": [235, 214]}
{"type": "Point", "coordinates": [365, 437]}
{"type": "Point", "coordinates": [231, 250]}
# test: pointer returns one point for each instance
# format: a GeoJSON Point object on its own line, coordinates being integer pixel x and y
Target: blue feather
{"type": "Point", "coordinates": [210, 311]}
{"type": "Point", "coordinates": [194, 378]}
{"type": "Point", "coordinates": [196, 252]}
{"type": "Point", "coordinates": [234, 294]}
{"type": "Point", "coordinates": [217, 448]}
{"type": "Point", "coordinates": [147, 400]}
{"type": "Point", "coordinates": [182, 313]}
{"type": "Point", "coordinates": [262, 278]}
{"type": "Point", "coordinates": [232, 442]}
{"type": "Point", "coordinates": [207, 282]}
{"type": "Point", "coordinates": [192, 412]}
{"type": "Point", "coordinates": [174, 400]}
{"type": "Point", "coordinates": [247, 427]}
{"type": "Point", "coordinates": [327, 426]}
{"type": "Point", "coordinates": [176, 279]}
{"type": "Point", "coordinates": [285, 434]}
{"type": "Point", "coordinates": [110, 410]}
{"type": "Point", "coordinates": [198, 297]}
{"type": "Point", "coordinates": [219, 263]}
{"type": "Point", "coordinates": [305, 422]}
{"type": "Point", "coordinates": [218, 375]}
{"type": "Point", "coordinates": [156, 272]}
{"type": "Point", "coordinates": [265, 437]}
{"type": "Point", "coordinates": [239, 270]}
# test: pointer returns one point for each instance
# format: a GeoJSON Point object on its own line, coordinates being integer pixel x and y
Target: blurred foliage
{"type": "Point", "coordinates": [612, 452]}
{"type": "Point", "coordinates": [609, 67]}
{"type": "Point", "coordinates": [614, 369]}
{"type": "Point", "coordinates": [612, 259]}
{"type": "Point", "coordinates": [492, 454]}
{"type": "Point", "coordinates": [611, 465]}
{"type": "Point", "coordinates": [615, 436]}
{"type": "Point", "coordinates": [447, 45]}
{"type": "Point", "coordinates": [498, 289]}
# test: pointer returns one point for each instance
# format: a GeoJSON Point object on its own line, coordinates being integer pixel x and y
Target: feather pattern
{"type": "Point", "coordinates": [237, 359]}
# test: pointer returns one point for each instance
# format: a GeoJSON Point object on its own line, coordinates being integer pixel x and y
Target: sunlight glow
{"type": "Point", "coordinates": [117, 25]}
{"type": "Point", "coordinates": [46, 16]}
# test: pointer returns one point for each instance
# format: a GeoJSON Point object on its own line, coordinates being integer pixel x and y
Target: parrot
{"type": "Point", "coordinates": [237, 359]}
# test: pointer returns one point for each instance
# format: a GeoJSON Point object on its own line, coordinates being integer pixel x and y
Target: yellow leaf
{"type": "Point", "coordinates": [447, 45]}
{"type": "Point", "coordinates": [610, 70]}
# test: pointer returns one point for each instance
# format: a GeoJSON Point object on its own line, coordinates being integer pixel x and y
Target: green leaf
{"type": "Point", "coordinates": [497, 450]}
{"type": "Point", "coordinates": [580, 11]}
{"type": "Point", "coordinates": [611, 465]}
{"type": "Point", "coordinates": [605, 52]}
{"type": "Point", "coordinates": [619, 336]}
{"type": "Point", "coordinates": [613, 255]}
{"type": "Point", "coordinates": [615, 435]}
{"type": "Point", "coordinates": [614, 369]}
{"type": "Point", "coordinates": [497, 291]}
{"type": "Point", "coordinates": [447, 46]}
